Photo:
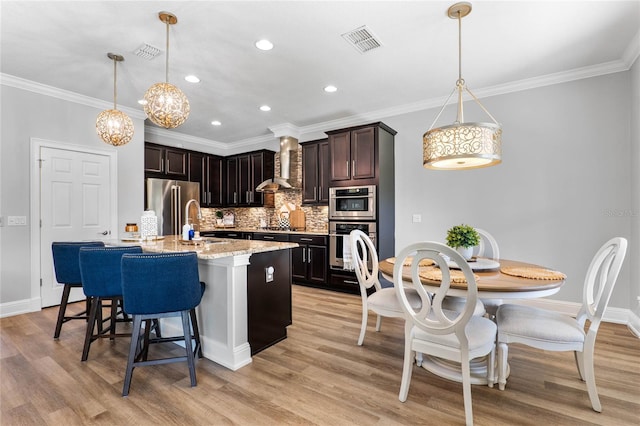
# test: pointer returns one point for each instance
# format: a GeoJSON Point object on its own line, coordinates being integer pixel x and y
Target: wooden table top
{"type": "Point", "coordinates": [493, 281]}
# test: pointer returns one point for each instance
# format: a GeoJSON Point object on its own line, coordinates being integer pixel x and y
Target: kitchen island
{"type": "Point", "coordinates": [243, 295]}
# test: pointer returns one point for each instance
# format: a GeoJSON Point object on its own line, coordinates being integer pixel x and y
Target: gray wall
{"type": "Point", "coordinates": [562, 190]}
{"type": "Point", "coordinates": [634, 293]}
{"type": "Point", "coordinates": [27, 115]}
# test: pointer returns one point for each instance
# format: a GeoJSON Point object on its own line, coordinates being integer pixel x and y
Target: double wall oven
{"type": "Point", "coordinates": [350, 208]}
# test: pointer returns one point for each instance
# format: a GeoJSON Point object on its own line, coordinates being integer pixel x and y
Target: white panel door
{"type": "Point", "coordinates": [75, 194]}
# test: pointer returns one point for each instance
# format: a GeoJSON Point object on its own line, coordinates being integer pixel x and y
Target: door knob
{"type": "Point", "coordinates": [105, 233]}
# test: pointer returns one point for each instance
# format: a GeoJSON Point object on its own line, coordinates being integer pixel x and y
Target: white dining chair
{"type": "Point", "coordinates": [554, 331]}
{"type": "Point", "coordinates": [382, 301]}
{"type": "Point", "coordinates": [432, 330]}
{"type": "Point", "coordinates": [487, 247]}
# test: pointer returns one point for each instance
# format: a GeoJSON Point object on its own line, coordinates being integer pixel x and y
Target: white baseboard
{"type": "Point", "coordinates": [20, 307]}
{"type": "Point", "coordinates": [634, 324]}
{"type": "Point", "coordinates": [613, 315]}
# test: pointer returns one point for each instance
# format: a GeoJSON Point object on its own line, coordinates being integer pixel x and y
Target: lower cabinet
{"type": "Point", "coordinates": [344, 281]}
{"type": "Point", "coordinates": [268, 298]}
{"type": "Point", "coordinates": [310, 259]}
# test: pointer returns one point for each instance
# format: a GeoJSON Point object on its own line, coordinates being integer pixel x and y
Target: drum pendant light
{"type": "Point", "coordinates": [113, 126]}
{"type": "Point", "coordinates": [165, 104]}
{"type": "Point", "coordinates": [462, 145]}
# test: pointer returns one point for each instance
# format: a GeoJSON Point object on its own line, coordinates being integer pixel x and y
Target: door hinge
{"type": "Point", "coordinates": [40, 282]}
{"type": "Point", "coordinates": [40, 161]}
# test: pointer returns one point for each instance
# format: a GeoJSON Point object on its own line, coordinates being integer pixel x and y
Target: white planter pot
{"type": "Point", "coordinates": [465, 252]}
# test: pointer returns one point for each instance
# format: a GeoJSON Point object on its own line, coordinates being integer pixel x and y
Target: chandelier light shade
{"type": "Point", "coordinates": [165, 104]}
{"type": "Point", "coordinates": [113, 126]}
{"type": "Point", "coordinates": [462, 145]}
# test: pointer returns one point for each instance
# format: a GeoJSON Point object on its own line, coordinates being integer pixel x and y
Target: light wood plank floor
{"type": "Point", "coordinates": [318, 375]}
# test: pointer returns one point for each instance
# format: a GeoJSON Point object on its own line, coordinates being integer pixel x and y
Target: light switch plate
{"type": "Point", "coordinates": [16, 220]}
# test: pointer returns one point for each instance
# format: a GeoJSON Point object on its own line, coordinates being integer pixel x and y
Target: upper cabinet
{"type": "Point", "coordinates": [315, 172]}
{"type": "Point", "coordinates": [354, 154]}
{"type": "Point", "coordinates": [165, 162]}
{"type": "Point", "coordinates": [244, 173]}
{"type": "Point", "coordinates": [206, 169]}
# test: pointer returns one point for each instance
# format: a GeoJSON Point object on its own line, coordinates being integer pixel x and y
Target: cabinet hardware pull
{"type": "Point", "coordinates": [350, 282]}
{"type": "Point", "coordinates": [235, 197]}
{"type": "Point", "coordinates": [348, 170]}
{"type": "Point", "coordinates": [304, 256]}
{"type": "Point", "coordinates": [306, 239]}
{"type": "Point", "coordinates": [309, 256]}
{"type": "Point", "coordinates": [314, 193]}
{"type": "Point", "coordinates": [268, 237]}
{"type": "Point", "coordinates": [353, 167]}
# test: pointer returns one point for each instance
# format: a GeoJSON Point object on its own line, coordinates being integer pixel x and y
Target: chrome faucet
{"type": "Point", "coordinates": [186, 211]}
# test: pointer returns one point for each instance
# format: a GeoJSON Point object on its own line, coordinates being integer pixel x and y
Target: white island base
{"type": "Point", "coordinates": [222, 313]}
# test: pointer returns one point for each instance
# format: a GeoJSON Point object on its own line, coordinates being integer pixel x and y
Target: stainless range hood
{"type": "Point", "coordinates": [288, 148]}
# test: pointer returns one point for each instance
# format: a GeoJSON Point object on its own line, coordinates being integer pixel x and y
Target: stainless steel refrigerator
{"type": "Point", "coordinates": [168, 198]}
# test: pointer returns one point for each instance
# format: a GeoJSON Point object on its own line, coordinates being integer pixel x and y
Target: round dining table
{"type": "Point", "coordinates": [493, 285]}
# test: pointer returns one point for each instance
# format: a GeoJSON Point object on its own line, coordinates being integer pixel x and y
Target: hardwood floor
{"type": "Point", "coordinates": [318, 375]}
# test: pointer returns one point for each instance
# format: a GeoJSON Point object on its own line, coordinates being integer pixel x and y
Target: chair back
{"type": "Point", "coordinates": [66, 259]}
{"type": "Point", "coordinates": [100, 268]}
{"type": "Point", "coordinates": [154, 283]}
{"type": "Point", "coordinates": [600, 280]}
{"type": "Point", "coordinates": [364, 257]}
{"type": "Point", "coordinates": [487, 243]}
{"type": "Point", "coordinates": [431, 317]}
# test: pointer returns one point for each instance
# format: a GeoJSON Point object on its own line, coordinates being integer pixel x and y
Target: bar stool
{"type": "Point", "coordinates": [161, 286]}
{"type": "Point", "coordinates": [67, 268]}
{"type": "Point", "coordinates": [100, 269]}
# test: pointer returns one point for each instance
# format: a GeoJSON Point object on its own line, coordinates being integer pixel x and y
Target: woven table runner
{"type": "Point", "coordinates": [435, 274]}
{"type": "Point", "coordinates": [532, 273]}
{"type": "Point", "coordinates": [408, 260]}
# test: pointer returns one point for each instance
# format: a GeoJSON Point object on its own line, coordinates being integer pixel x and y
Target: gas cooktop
{"type": "Point", "coordinates": [278, 228]}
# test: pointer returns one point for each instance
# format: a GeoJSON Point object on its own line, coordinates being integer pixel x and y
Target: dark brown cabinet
{"type": "Point", "coordinates": [206, 169]}
{"type": "Point", "coordinates": [161, 161]}
{"type": "Point", "coordinates": [243, 173]}
{"type": "Point", "coordinates": [268, 298]}
{"type": "Point", "coordinates": [310, 259]}
{"type": "Point", "coordinates": [315, 172]}
{"type": "Point", "coordinates": [353, 155]}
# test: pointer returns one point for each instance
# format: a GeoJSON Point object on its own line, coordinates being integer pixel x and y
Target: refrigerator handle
{"type": "Point", "coordinates": [174, 196]}
{"type": "Point", "coordinates": [179, 210]}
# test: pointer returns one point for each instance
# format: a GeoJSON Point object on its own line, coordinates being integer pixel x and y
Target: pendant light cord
{"type": "Point", "coordinates": [115, 92]}
{"type": "Point", "coordinates": [167, 55]}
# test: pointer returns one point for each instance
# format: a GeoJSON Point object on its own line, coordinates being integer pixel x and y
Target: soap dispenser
{"type": "Point", "coordinates": [185, 232]}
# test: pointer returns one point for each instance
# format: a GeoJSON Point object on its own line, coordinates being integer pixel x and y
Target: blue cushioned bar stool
{"type": "Point", "coordinates": [66, 262]}
{"type": "Point", "coordinates": [100, 268]}
{"type": "Point", "coordinates": [160, 286]}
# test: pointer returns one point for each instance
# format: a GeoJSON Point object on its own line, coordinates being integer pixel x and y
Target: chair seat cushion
{"type": "Point", "coordinates": [479, 331]}
{"type": "Point", "coordinates": [387, 300]}
{"type": "Point", "coordinates": [538, 324]}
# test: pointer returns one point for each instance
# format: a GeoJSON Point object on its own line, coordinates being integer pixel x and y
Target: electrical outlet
{"type": "Point", "coordinates": [417, 218]}
{"type": "Point", "coordinates": [268, 272]}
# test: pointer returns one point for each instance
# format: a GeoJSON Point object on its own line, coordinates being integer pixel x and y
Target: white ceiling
{"type": "Point", "coordinates": [505, 44]}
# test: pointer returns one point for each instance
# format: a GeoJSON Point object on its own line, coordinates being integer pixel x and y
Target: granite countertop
{"type": "Point", "coordinates": [208, 247]}
{"type": "Point", "coordinates": [267, 231]}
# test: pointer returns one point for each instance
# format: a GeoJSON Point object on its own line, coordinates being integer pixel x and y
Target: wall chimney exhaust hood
{"type": "Point", "coordinates": [288, 169]}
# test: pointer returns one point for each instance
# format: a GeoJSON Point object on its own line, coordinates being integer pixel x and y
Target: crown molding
{"type": "Point", "coordinates": [182, 137]}
{"type": "Point", "coordinates": [630, 55]}
{"type": "Point", "coordinates": [65, 95]}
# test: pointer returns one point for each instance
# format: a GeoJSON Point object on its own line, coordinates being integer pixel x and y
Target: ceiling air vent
{"type": "Point", "coordinates": [362, 39]}
{"type": "Point", "coordinates": [147, 51]}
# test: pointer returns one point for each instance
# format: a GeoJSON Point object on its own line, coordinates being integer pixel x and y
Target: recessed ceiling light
{"type": "Point", "coordinates": [264, 44]}
{"type": "Point", "coordinates": [265, 108]}
{"type": "Point", "coordinates": [192, 79]}
{"type": "Point", "coordinates": [216, 123]}
{"type": "Point", "coordinates": [330, 89]}
{"type": "Point", "coordinates": [142, 101]}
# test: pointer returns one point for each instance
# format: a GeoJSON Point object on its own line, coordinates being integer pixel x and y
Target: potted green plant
{"type": "Point", "coordinates": [463, 238]}
{"type": "Point", "coordinates": [219, 216]}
